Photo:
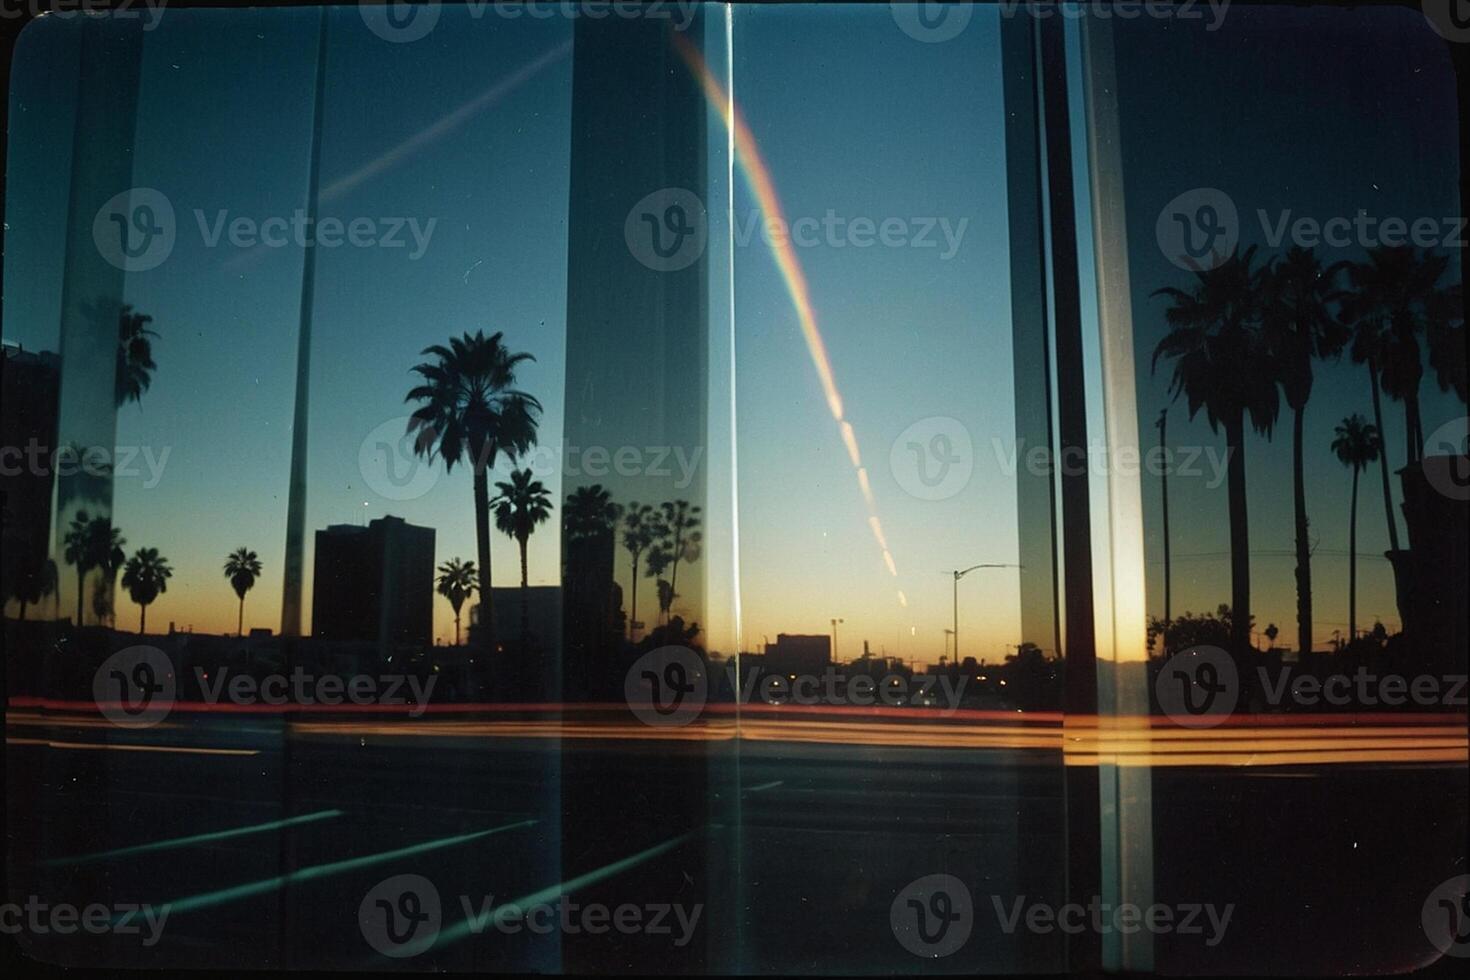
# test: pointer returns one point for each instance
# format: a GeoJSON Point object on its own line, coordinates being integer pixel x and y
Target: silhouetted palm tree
{"type": "Point", "coordinates": [1221, 364]}
{"type": "Point", "coordinates": [1300, 328]}
{"type": "Point", "coordinates": [1356, 445]}
{"type": "Point", "coordinates": [470, 410]}
{"type": "Point", "coordinates": [110, 561]}
{"type": "Point", "coordinates": [78, 553]}
{"type": "Point", "coordinates": [135, 365]}
{"type": "Point", "coordinates": [638, 534]}
{"type": "Point", "coordinates": [92, 542]}
{"type": "Point", "coordinates": [146, 576]}
{"type": "Point", "coordinates": [456, 583]}
{"type": "Point", "coordinates": [242, 568]}
{"type": "Point", "coordinates": [589, 513]}
{"type": "Point", "coordinates": [521, 505]}
{"type": "Point", "coordinates": [677, 527]}
{"type": "Point", "coordinates": [34, 583]}
{"type": "Point", "coordinates": [1395, 296]}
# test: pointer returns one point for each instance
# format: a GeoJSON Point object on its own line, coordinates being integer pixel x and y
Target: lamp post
{"type": "Point", "coordinates": [958, 574]}
{"type": "Point", "coordinates": [834, 638]}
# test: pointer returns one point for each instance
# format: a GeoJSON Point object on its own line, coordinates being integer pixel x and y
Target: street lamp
{"type": "Point", "coordinates": [959, 574]}
{"type": "Point", "coordinates": [834, 638]}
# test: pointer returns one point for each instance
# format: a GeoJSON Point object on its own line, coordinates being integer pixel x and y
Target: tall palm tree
{"type": "Point", "coordinates": [589, 513]}
{"type": "Point", "coordinates": [92, 542]}
{"type": "Point", "coordinates": [521, 505]}
{"type": "Point", "coordinates": [456, 583]}
{"type": "Point", "coordinates": [110, 560]}
{"type": "Point", "coordinates": [677, 526]}
{"type": "Point", "coordinates": [1219, 350]}
{"type": "Point", "coordinates": [1394, 300]}
{"type": "Point", "coordinates": [471, 411]}
{"type": "Point", "coordinates": [135, 365]}
{"type": "Point", "coordinates": [638, 534]}
{"type": "Point", "coordinates": [146, 576]}
{"type": "Point", "coordinates": [77, 552]}
{"type": "Point", "coordinates": [1301, 328]}
{"type": "Point", "coordinates": [242, 568]}
{"type": "Point", "coordinates": [1356, 445]}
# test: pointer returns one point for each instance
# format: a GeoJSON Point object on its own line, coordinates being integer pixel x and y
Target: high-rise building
{"type": "Point", "coordinates": [374, 583]}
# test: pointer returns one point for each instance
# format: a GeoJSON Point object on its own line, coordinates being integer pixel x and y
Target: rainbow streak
{"type": "Point", "coordinates": [758, 178]}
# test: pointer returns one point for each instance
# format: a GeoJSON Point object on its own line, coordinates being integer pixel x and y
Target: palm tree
{"type": "Point", "coordinates": [589, 513]}
{"type": "Point", "coordinates": [470, 410]}
{"type": "Point", "coordinates": [34, 582]}
{"type": "Point", "coordinates": [1300, 328]}
{"type": "Point", "coordinates": [678, 527]}
{"type": "Point", "coordinates": [1357, 445]}
{"type": "Point", "coordinates": [146, 576]}
{"type": "Point", "coordinates": [78, 553]}
{"type": "Point", "coordinates": [456, 583]}
{"type": "Point", "coordinates": [638, 534]}
{"type": "Point", "coordinates": [1395, 300]}
{"type": "Point", "coordinates": [242, 568]}
{"type": "Point", "coordinates": [92, 542]}
{"type": "Point", "coordinates": [521, 505]}
{"type": "Point", "coordinates": [110, 560]}
{"type": "Point", "coordinates": [1218, 348]}
{"type": "Point", "coordinates": [135, 365]}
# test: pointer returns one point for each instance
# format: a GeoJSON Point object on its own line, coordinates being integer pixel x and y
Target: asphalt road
{"type": "Point", "coordinates": [267, 841]}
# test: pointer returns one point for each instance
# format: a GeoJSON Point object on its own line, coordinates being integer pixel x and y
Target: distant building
{"type": "Point", "coordinates": [374, 583]}
{"type": "Point", "coordinates": [793, 653]}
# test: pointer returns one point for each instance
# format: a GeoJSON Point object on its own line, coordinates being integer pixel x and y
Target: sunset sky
{"type": "Point", "coordinates": [855, 120]}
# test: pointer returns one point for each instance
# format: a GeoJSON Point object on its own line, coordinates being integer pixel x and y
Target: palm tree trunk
{"type": "Point", "coordinates": [482, 550]}
{"type": "Point", "coordinates": [525, 599]}
{"type": "Point", "coordinates": [633, 605]}
{"type": "Point", "coordinates": [81, 592]}
{"type": "Point", "coordinates": [1303, 547]}
{"type": "Point", "coordinates": [240, 621]}
{"type": "Point", "coordinates": [1393, 527]}
{"type": "Point", "coordinates": [1240, 552]}
{"type": "Point", "coordinates": [1353, 559]}
{"type": "Point", "coordinates": [1414, 426]}
{"type": "Point", "coordinates": [142, 620]}
{"type": "Point", "coordinates": [1164, 494]}
{"type": "Point", "coordinates": [456, 629]}
{"type": "Point", "coordinates": [22, 610]}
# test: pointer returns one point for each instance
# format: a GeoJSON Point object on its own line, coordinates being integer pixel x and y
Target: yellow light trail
{"type": "Point", "coordinates": [758, 178]}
